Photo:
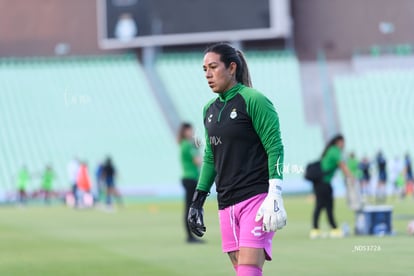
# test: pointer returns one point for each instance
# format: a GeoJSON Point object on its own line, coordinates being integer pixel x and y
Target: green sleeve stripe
{"type": "Point", "coordinates": [208, 172]}
{"type": "Point", "coordinates": [266, 123]}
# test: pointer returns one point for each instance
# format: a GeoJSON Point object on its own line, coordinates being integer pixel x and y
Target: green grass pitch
{"type": "Point", "coordinates": [147, 238]}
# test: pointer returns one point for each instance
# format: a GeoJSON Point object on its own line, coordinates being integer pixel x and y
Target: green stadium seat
{"type": "Point", "coordinates": [375, 111]}
{"type": "Point", "coordinates": [54, 108]}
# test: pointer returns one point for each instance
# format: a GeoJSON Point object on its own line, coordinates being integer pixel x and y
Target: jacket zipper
{"type": "Point", "coordinates": [221, 110]}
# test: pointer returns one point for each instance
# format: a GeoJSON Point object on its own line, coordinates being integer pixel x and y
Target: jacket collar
{"type": "Point", "coordinates": [229, 94]}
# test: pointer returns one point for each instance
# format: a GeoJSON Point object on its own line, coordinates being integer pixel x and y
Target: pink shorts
{"type": "Point", "coordinates": [239, 228]}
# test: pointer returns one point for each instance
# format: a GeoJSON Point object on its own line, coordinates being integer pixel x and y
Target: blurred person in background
{"type": "Point", "coordinates": [353, 191]}
{"type": "Point", "coordinates": [47, 183]}
{"type": "Point", "coordinates": [126, 27]}
{"type": "Point", "coordinates": [409, 178]}
{"type": "Point", "coordinates": [331, 160]}
{"type": "Point", "coordinates": [190, 163]}
{"type": "Point", "coordinates": [400, 185]}
{"type": "Point", "coordinates": [353, 166]}
{"type": "Point", "coordinates": [244, 157]}
{"type": "Point", "coordinates": [397, 176]}
{"type": "Point", "coordinates": [73, 171]}
{"type": "Point", "coordinates": [109, 174]}
{"type": "Point", "coordinates": [381, 189]}
{"type": "Point", "coordinates": [23, 178]}
{"type": "Point", "coordinates": [365, 179]}
{"type": "Point", "coordinates": [100, 182]}
{"type": "Point", "coordinates": [84, 186]}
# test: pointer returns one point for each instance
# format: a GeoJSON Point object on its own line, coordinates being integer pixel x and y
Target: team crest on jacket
{"type": "Point", "coordinates": [233, 114]}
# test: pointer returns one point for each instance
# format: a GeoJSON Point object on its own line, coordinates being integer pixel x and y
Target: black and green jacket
{"type": "Point", "coordinates": [243, 145]}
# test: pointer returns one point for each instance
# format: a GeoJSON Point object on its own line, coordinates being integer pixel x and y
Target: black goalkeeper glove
{"type": "Point", "coordinates": [196, 213]}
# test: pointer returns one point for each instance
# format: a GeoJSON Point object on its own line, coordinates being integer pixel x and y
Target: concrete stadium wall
{"type": "Point", "coordinates": [36, 27]}
{"type": "Point", "coordinates": [338, 27]}
{"type": "Point", "coordinates": [341, 26]}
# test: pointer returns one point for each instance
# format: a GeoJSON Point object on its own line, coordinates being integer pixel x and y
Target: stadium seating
{"type": "Point", "coordinates": [376, 111]}
{"type": "Point", "coordinates": [52, 109]}
{"type": "Point", "coordinates": [183, 78]}
{"type": "Point", "coordinates": [274, 73]}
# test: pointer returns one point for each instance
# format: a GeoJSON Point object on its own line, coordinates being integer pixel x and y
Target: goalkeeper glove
{"type": "Point", "coordinates": [195, 214]}
{"type": "Point", "coordinates": [272, 210]}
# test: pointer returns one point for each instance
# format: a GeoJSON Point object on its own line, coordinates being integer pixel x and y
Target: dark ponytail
{"type": "Point", "coordinates": [229, 54]}
{"type": "Point", "coordinates": [243, 75]}
{"type": "Point", "coordinates": [332, 142]}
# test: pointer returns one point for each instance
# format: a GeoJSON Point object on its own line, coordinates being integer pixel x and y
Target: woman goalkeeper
{"type": "Point", "coordinates": [244, 157]}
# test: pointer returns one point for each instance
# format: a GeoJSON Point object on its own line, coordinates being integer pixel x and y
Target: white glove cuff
{"type": "Point", "coordinates": [275, 186]}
